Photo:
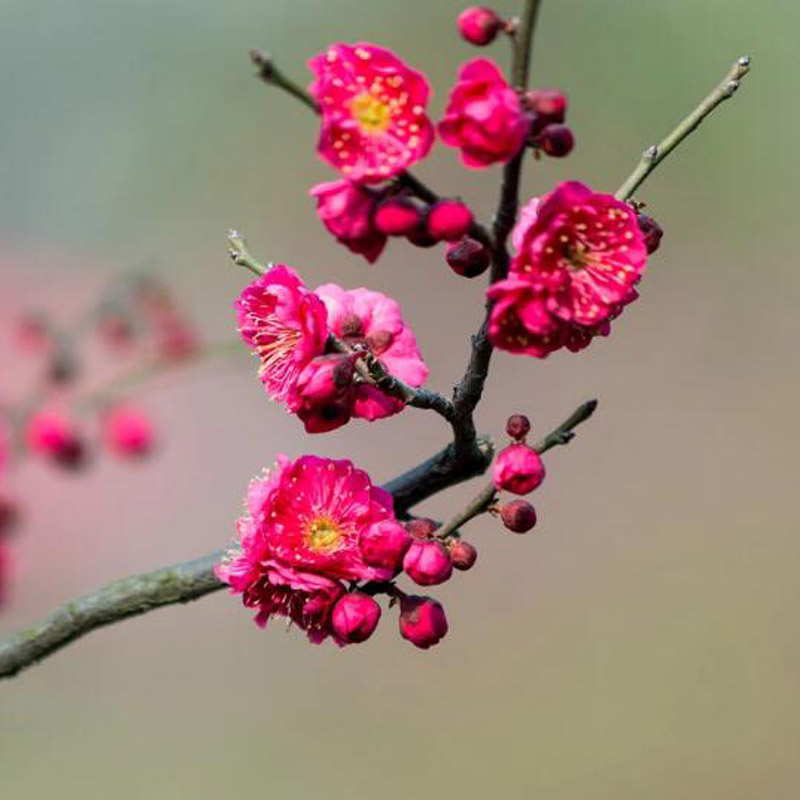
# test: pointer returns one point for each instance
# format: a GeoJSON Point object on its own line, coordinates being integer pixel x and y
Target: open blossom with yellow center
{"type": "Point", "coordinates": [285, 325]}
{"type": "Point", "coordinates": [310, 525]}
{"type": "Point", "coordinates": [580, 256]}
{"type": "Point", "coordinates": [373, 111]}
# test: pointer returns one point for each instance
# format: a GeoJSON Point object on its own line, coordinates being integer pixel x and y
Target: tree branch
{"type": "Point", "coordinates": [468, 392]}
{"type": "Point", "coordinates": [654, 155]}
{"type": "Point", "coordinates": [190, 580]}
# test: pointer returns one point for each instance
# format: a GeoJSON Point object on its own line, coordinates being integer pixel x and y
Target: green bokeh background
{"type": "Point", "coordinates": [643, 643]}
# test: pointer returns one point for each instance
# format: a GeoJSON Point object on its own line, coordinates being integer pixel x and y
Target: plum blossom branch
{"type": "Point", "coordinates": [481, 503]}
{"type": "Point", "coordinates": [654, 155]}
{"type": "Point", "coordinates": [370, 369]}
{"type": "Point", "coordinates": [190, 580]}
{"type": "Point", "coordinates": [271, 74]}
{"type": "Point", "coordinates": [468, 392]}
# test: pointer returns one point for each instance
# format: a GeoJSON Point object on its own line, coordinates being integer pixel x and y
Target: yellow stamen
{"type": "Point", "coordinates": [372, 114]}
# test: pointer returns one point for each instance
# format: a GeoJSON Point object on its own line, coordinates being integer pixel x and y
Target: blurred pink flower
{"type": "Point", "coordinates": [373, 111]}
{"type": "Point", "coordinates": [128, 431]}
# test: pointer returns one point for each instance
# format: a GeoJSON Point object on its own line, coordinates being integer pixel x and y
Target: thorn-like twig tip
{"type": "Point", "coordinates": [591, 406]}
{"type": "Point", "coordinates": [744, 61]}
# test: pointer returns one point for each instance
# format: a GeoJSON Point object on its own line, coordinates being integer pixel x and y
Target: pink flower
{"type": "Point", "coordinates": [373, 321]}
{"type": "Point", "coordinates": [373, 111]}
{"type": "Point", "coordinates": [355, 617]}
{"type": "Point", "coordinates": [422, 621]}
{"type": "Point", "coordinates": [518, 469]}
{"type": "Point", "coordinates": [583, 254]}
{"type": "Point", "coordinates": [128, 431]}
{"type": "Point", "coordinates": [347, 211]}
{"type": "Point", "coordinates": [520, 321]}
{"type": "Point", "coordinates": [5, 446]}
{"type": "Point", "coordinates": [284, 324]}
{"type": "Point", "coordinates": [484, 117]}
{"type": "Point", "coordinates": [53, 434]}
{"type": "Point", "coordinates": [300, 540]}
{"type": "Point", "coordinates": [428, 563]}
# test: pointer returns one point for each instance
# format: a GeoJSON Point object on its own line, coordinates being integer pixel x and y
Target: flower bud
{"type": "Point", "coordinates": [325, 391]}
{"type": "Point", "coordinates": [53, 435]}
{"type": "Point", "coordinates": [384, 544]}
{"type": "Point", "coordinates": [468, 258]}
{"type": "Point", "coordinates": [518, 469]}
{"type": "Point", "coordinates": [422, 621]}
{"type": "Point", "coordinates": [398, 216]}
{"type": "Point", "coordinates": [518, 516]}
{"type": "Point", "coordinates": [549, 106]}
{"type": "Point", "coordinates": [479, 25]}
{"type": "Point", "coordinates": [518, 426]}
{"type": "Point", "coordinates": [354, 618]}
{"type": "Point", "coordinates": [652, 232]}
{"type": "Point", "coordinates": [421, 528]}
{"type": "Point", "coordinates": [449, 220]}
{"type": "Point", "coordinates": [128, 432]}
{"type": "Point", "coordinates": [34, 333]}
{"type": "Point", "coordinates": [556, 141]}
{"type": "Point", "coordinates": [428, 563]}
{"type": "Point", "coordinates": [421, 238]}
{"type": "Point", "coordinates": [463, 554]}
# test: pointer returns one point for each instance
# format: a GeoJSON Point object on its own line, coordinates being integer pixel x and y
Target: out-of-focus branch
{"type": "Point", "coordinates": [654, 155]}
{"type": "Point", "coordinates": [180, 583]}
{"type": "Point", "coordinates": [481, 503]}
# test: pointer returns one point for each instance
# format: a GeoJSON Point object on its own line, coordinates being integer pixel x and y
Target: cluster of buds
{"type": "Point", "coordinates": [548, 134]}
{"type": "Point", "coordinates": [518, 469]}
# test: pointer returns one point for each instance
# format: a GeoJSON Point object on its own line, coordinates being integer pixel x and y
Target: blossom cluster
{"type": "Point", "coordinates": [319, 543]}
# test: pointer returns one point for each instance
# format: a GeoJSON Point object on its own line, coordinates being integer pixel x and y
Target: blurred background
{"type": "Point", "coordinates": [643, 641]}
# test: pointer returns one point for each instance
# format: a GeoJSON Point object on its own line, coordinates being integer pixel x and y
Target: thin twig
{"type": "Point", "coordinates": [654, 155]}
{"type": "Point", "coordinates": [237, 250]}
{"type": "Point", "coordinates": [479, 504]}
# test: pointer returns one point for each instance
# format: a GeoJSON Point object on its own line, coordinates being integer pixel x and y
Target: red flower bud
{"type": "Point", "coordinates": [421, 528]}
{"type": "Point", "coordinates": [53, 435]}
{"type": "Point", "coordinates": [428, 563]}
{"type": "Point", "coordinates": [652, 232]}
{"type": "Point", "coordinates": [518, 469]}
{"type": "Point", "coordinates": [398, 216]}
{"type": "Point", "coordinates": [468, 258]}
{"type": "Point", "coordinates": [463, 554]}
{"type": "Point", "coordinates": [384, 544]}
{"type": "Point", "coordinates": [518, 516]}
{"type": "Point", "coordinates": [549, 105]}
{"type": "Point", "coordinates": [422, 621]}
{"type": "Point", "coordinates": [421, 238]}
{"type": "Point", "coordinates": [479, 25]}
{"type": "Point", "coordinates": [354, 618]}
{"type": "Point", "coordinates": [518, 426]}
{"type": "Point", "coordinates": [556, 141]}
{"type": "Point", "coordinates": [449, 220]}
